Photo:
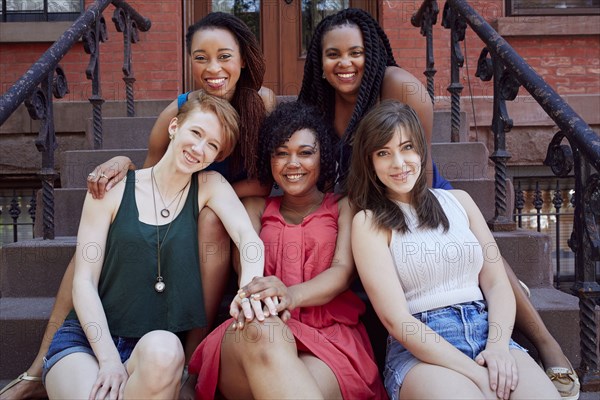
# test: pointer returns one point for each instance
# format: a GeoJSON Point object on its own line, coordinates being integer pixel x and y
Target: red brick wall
{"type": "Point", "coordinates": [156, 57]}
{"type": "Point", "coordinates": [570, 64]}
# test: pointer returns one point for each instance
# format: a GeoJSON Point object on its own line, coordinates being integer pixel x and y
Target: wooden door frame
{"type": "Point", "coordinates": [193, 10]}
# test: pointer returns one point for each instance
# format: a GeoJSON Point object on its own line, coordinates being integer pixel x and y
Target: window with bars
{"type": "Point", "coordinates": [552, 7]}
{"type": "Point", "coordinates": [40, 10]}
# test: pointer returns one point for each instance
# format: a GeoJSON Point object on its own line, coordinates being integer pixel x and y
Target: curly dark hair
{"type": "Point", "coordinates": [378, 56]}
{"type": "Point", "coordinates": [283, 122]}
{"type": "Point", "coordinates": [246, 100]}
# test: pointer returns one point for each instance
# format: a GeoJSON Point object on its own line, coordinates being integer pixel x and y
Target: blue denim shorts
{"type": "Point", "coordinates": [465, 326]}
{"type": "Point", "coordinates": [70, 338]}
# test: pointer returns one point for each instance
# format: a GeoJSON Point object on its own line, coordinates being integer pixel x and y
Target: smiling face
{"type": "Point", "coordinates": [397, 165]}
{"type": "Point", "coordinates": [343, 58]}
{"type": "Point", "coordinates": [216, 61]}
{"type": "Point", "coordinates": [196, 141]}
{"type": "Point", "coordinates": [296, 164]}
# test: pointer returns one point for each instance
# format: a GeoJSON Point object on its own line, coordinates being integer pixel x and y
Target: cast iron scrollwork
{"type": "Point", "coordinates": [453, 20]}
{"type": "Point", "coordinates": [559, 157]}
{"type": "Point", "coordinates": [125, 24]}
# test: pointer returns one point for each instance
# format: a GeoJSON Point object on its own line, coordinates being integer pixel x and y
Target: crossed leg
{"type": "Point", "coordinates": [262, 361]}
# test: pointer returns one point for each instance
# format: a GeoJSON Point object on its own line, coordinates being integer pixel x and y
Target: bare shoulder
{"type": "Point", "coordinates": [399, 84]}
{"type": "Point", "coordinates": [211, 178]}
{"type": "Point", "coordinates": [363, 219]}
{"type": "Point", "coordinates": [462, 196]}
{"type": "Point", "coordinates": [268, 97]}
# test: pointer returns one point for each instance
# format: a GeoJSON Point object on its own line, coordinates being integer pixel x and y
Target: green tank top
{"type": "Point", "coordinates": [126, 286]}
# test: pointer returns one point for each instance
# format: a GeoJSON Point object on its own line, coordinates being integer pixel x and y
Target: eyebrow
{"type": "Point", "coordinates": [204, 51]}
{"type": "Point", "coordinates": [351, 48]}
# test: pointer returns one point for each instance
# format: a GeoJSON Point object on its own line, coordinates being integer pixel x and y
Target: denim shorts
{"type": "Point", "coordinates": [465, 326]}
{"type": "Point", "coordinates": [70, 338]}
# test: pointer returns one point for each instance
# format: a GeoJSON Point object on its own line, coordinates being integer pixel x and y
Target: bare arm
{"type": "Point", "coordinates": [89, 257]}
{"type": "Point", "coordinates": [377, 273]}
{"type": "Point", "coordinates": [401, 85]}
{"type": "Point", "coordinates": [500, 301]}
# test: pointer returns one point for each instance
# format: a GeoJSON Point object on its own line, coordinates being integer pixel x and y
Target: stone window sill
{"type": "Point", "coordinates": [31, 32]}
{"type": "Point", "coordinates": [548, 25]}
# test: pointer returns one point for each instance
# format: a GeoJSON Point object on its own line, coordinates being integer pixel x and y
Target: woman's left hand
{"type": "Point", "coordinates": [502, 369]}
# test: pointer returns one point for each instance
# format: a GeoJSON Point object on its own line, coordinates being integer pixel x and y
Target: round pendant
{"type": "Point", "coordinates": [159, 286]}
{"type": "Point", "coordinates": [165, 213]}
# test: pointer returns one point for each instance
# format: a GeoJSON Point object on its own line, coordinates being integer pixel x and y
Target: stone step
{"type": "Point", "coordinates": [34, 268]}
{"type": "Point", "coordinates": [442, 127]}
{"type": "Point", "coordinates": [560, 313]}
{"type": "Point", "coordinates": [482, 191]}
{"type": "Point", "coordinates": [22, 325]}
{"type": "Point", "coordinates": [76, 165]}
{"type": "Point", "coordinates": [68, 204]}
{"type": "Point", "coordinates": [461, 161]}
{"type": "Point", "coordinates": [528, 254]}
{"type": "Point", "coordinates": [122, 132]}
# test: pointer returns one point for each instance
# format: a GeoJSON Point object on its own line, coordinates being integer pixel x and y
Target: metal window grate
{"type": "Point", "coordinates": [40, 10]}
{"type": "Point", "coordinates": [552, 7]}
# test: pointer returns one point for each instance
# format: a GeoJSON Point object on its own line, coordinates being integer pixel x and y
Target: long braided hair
{"type": "Point", "coordinates": [246, 100]}
{"type": "Point", "coordinates": [378, 56]}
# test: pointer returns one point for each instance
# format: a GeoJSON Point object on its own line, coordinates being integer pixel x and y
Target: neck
{"type": "Point", "coordinates": [346, 99]}
{"type": "Point", "coordinates": [169, 179]}
{"type": "Point", "coordinates": [302, 202]}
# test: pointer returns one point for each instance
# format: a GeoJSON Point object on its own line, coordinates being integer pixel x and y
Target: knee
{"type": "Point", "coordinates": [262, 342]}
{"type": "Point", "coordinates": [162, 358]}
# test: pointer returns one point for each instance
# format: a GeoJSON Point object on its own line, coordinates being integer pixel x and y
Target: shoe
{"type": "Point", "coordinates": [566, 381]}
{"type": "Point", "coordinates": [23, 377]}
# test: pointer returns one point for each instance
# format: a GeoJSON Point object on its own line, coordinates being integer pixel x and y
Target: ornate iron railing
{"type": "Point", "coordinates": [500, 62]}
{"type": "Point", "coordinates": [51, 79]}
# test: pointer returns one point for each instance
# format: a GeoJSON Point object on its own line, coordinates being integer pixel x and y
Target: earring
{"type": "Point", "coordinates": [171, 136]}
{"type": "Point", "coordinates": [323, 75]}
{"type": "Point", "coordinates": [275, 186]}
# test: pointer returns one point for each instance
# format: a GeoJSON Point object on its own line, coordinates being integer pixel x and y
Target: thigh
{"type": "Point", "coordinates": [427, 381]}
{"type": "Point", "coordinates": [323, 375]}
{"type": "Point", "coordinates": [72, 377]}
{"type": "Point", "coordinates": [533, 382]}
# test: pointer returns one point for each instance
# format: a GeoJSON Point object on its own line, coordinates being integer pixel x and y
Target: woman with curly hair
{"type": "Point", "coordinates": [316, 348]}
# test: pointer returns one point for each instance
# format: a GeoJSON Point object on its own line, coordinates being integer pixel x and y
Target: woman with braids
{"type": "Point", "coordinates": [349, 68]}
{"type": "Point", "coordinates": [317, 348]}
{"type": "Point", "coordinates": [226, 62]}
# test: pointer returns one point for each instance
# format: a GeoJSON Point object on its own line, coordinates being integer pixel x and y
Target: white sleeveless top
{"type": "Point", "coordinates": [438, 269]}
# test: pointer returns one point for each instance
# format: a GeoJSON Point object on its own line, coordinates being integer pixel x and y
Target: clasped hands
{"type": "Point", "coordinates": [262, 297]}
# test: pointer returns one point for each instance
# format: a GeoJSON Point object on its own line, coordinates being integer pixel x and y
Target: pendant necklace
{"type": "Point", "coordinates": [160, 285]}
{"type": "Point", "coordinates": [165, 211]}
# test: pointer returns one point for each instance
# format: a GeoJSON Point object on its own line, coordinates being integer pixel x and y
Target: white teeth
{"type": "Point", "coordinates": [294, 177]}
{"type": "Point", "coordinates": [189, 158]}
{"type": "Point", "coordinates": [216, 81]}
{"type": "Point", "coordinates": [350, 75]}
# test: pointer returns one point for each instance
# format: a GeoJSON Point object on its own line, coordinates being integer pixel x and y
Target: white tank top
{"type": "Point", "coordinates": [438, 269]}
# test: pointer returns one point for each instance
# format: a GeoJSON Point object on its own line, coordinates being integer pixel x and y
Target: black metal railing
{"type": "Point", "coordinates": [17, 215]}
{"type": "Point", "coordinates": [546, 204]}
{"type": "Point", "coordinates": [51, 79]}
{"type": "Point", "coordinates": [500, 62]}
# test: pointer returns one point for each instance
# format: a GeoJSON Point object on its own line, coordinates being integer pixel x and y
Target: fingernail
{"type": "Point", "coordinates": [256, 296]}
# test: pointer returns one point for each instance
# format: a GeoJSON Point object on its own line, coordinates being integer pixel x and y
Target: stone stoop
{"type": "Point", "coordinates": [122, 132]}
{"type": "Point", "coordinates": [30, 274]}
{"type": "Point", "coordinates": [77, 164]}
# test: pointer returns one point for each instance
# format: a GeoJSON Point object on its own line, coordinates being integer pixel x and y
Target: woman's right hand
{"type": "Point", "coordinates": [111, 380]}
{"type": "Point", "coordinates": [107, 175]}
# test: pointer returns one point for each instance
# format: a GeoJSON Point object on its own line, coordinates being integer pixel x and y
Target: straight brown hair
{"type": "Point", "coordinates": [367, 192]}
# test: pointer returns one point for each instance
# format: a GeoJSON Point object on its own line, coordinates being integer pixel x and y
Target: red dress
{"type": "Point", "coordinates": [332, 332]}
